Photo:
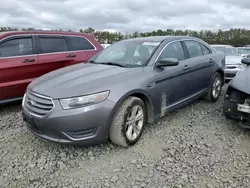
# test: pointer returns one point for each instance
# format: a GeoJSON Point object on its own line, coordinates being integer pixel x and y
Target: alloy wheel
{"type": "Point", "coordinates": [216, 88]}
{"type": "Point", "coordinates": [134, 122]}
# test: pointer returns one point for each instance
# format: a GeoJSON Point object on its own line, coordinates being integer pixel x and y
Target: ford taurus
{"type": "Point", "coordinates": [126, 86]}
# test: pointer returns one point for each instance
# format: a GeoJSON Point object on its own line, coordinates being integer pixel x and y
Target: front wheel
{"type": "Point", "coordinates": [215, 88]}
{"type": "Point", "coordinates": [128, 123]}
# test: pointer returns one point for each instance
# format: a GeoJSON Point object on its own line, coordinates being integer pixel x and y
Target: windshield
{"type": "Point", "coordinates": [244, 50]}
{"type": "Point", "coordinates": [227, 51]}
{"type": "Point", "coordinates": [131, 53]}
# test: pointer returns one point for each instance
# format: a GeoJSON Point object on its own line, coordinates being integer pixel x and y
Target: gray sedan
{"type": "Point", "coordinates": [126, 86]}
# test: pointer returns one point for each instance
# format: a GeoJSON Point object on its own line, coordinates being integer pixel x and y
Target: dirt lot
{"type": "Point", "coordinates": [193, 147]}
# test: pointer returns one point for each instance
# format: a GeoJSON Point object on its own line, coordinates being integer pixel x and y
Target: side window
{"type": "Point", "coordinates": [173, 50]}
{"type": "Point", "coordinates": [16, 47]}
{"type": "Point", "coordinates": [194, 49]}
{"type": "Point", "coordinates": [51, 44]}
{"type": "Point", "coordinates": [80, 43]}
{"type": "Point", "coordinates": [205, 50]}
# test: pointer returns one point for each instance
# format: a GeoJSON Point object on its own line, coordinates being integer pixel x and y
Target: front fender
{"type": "Point", "coordinates": [134, 92]}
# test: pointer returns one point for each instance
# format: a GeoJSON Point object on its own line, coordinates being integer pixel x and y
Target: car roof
{"type": "Point", "coordinates": [161, 38]}
{"type": "Point", "coordinates": [10, 33]}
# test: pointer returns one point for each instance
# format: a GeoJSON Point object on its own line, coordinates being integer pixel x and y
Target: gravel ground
{"type": "Point", "coordinates": [193, 147]}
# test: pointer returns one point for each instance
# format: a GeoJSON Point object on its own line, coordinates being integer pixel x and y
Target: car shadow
{"type": "Point", "coordinates": [11, 106]}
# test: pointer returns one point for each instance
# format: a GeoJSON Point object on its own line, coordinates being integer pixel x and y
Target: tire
{"type": "Point", "coordinates": [119, 133]}
{"type": "Point", "coordinates": [211, 96]}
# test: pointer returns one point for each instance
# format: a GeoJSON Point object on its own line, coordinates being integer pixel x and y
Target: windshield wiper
{"type": "Point", "coordinates": [91, 61]}
{"type": "Point", "coordinates": [112, 63]}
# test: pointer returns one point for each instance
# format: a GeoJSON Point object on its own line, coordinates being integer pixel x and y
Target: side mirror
{"type": "Point", "coordinates": [167, 62]}
{"type": "Point", "coordinates": [246, 61]}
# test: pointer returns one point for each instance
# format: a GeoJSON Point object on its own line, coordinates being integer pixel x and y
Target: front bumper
{"type": "Point", "coordinates": [82, 126]}
{"type": "Point", "coordinates": [244, 108]}
{"type": "Point", "coordinates": [230, 109]}
{"type": "Point", "coordinates": [237, 106]}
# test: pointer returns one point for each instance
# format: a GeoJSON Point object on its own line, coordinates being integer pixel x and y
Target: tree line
{"type": "Point", "coordinates": [234, 36]}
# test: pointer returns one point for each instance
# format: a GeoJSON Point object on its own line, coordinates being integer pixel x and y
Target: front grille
{"type": "Point", "coordinates": [231, 67]}
{"type": "Point", "coordinates": [37, 104]}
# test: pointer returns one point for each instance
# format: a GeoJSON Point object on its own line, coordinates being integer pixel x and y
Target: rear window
{"type": "Point", "coordinates": [53, 44]}
{"type": "Point", "coordinates": [229, 51]}
{"type": "Point", "coordinates": [80, 43]}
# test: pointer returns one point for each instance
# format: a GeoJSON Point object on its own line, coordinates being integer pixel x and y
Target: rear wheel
{"type": "Point", "coordinates": [215, 88]}
{"type": "Point", "coordinates": [128, 123]}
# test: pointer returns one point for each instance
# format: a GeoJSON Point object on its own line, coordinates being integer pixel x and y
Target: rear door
{"type": "Point", "coordinates": [53, 53]}
{"type": "Point", "coordinates": [81, 49]}
{"type": "Point", "coordinates": [18, 65]}
{"type": "Point", "coordinates": [200, 65]}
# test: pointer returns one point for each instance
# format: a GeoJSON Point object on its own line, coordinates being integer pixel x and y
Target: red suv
{"type": "Point", "coordinates": [25, 56]}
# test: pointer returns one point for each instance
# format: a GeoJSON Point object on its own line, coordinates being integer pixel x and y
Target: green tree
{"type": "Point", "coordinates": [233, 36]}
{"type": "Point", "coordinates": [89, 30]}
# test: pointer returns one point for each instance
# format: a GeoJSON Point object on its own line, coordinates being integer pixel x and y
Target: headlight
{"type": "Point", "coordinates": [77, 102]}
{"type": "Point", "coordinates": [242, 66]}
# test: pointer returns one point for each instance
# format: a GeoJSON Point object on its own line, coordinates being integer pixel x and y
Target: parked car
{"type": "Point", "coordinates": [233, 60]}
{"type": "Point", "coordinates": [27, 55]}
{"type": "Point", "coordinates": [105, 45]}
{"type": "Point", "coordinates": [114, 97]}
{"type": "Point", "coordinates": [243, 51]}
{"type": "Point", "coordinates": [237, 98]}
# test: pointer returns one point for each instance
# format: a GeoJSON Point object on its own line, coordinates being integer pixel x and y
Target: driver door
{"type": "Point", "coordinates": [171, 82]}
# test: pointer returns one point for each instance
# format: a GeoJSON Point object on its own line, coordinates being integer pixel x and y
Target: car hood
{"type": "Point", "coordinates": [241, 81]}
{"type": "Point", "coordinates": [233, 60]}
{"type": "Point", "coordinates": [80, 79]}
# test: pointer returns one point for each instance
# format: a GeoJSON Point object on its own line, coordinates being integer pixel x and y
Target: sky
{"type": "Point", "coordinates": [126, 15]}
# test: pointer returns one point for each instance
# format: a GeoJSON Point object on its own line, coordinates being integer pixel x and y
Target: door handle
{"type": "Point", "coordinates": [151, 85]}
{"type": "Point", "coordinates": [28, 60]}
{"type": "Point", "coordinates": [186, 67]}
{"type": "Point", "coordinates": [71, 55]}
{"type": "Point", "coordinates": [210, 60]}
